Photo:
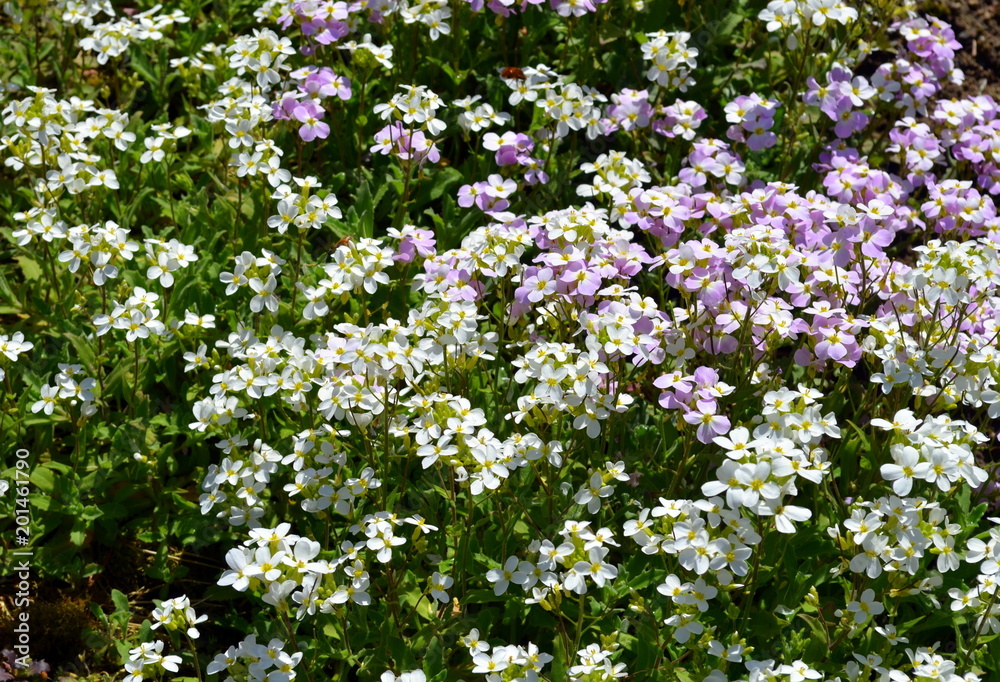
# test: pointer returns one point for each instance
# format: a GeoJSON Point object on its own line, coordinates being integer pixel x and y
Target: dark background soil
{"type": "Point", "coordinates": [977, 27]}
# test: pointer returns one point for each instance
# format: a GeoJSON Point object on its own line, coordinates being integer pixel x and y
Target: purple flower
{"type": "Point", "coordinates": [585, 280]}
{"type": "Point", "coordinates": [309, 114]}
{"type": "Point", "coordinates": [413, 241]}
{"type": "Point", "coordinates": [396, 140]}
{"type": "Point", "coordinates": [630, 110]}
{"type": "Point", "coordinates": [467, 194]}
{"type": "Point", "coordinates": [709, 423]}
{"type": "Point", "coordinates": [325, 83]}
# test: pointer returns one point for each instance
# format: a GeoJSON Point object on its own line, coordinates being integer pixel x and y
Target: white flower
{"type": "Point", "coordinates": [907, 467]}
{"type": "Point", "coordinates": [412, 676]}
{"type": "Point", "coordinates": [438, 584]}
{"type": "Point", "coordinates": [472, 642]}
{"type": "Point", "coordinates": [13, 345]}
{"type": "Point", "coordinates": [490, 664]}
{"type": "Point", "coordinates": [698, 595]}
{"type": "Point", "coordinates": [733, 654]}
{"type": "Point", "coordinates": [502, 577]}
{"type": "Point", "coordinates": [596, 568]}
{"type": "Point", "coordinates": [154, 150]}
{"type": "Point", "coordinates": [48, 401]}
{"type": "Point", "coordinates": [242, 568]}
{"type": "Point", "coordinates": [889, 632]}
{"type": "Point", "coordinates": [865, 606]}
{"type": "Point", "coordinates": [785, 515]}
{"type": "Point", "coordinates": [876, 209]}
{"type": "Point", "coordinates": [592, 494]}
{"type": "Point", "coordinates": [799, 671]}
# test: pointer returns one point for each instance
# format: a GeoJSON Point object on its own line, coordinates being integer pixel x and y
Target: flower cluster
{"type": "Point", "coordinates": [513, 663]}
{"type": "Point", "coordinates": [250, 661]}
{"type": "Point", "coordinates": [565, 567]}
{"type": "Point", "coordinates": [69, 385]}
{"type": "Point", "coordinates": [594, 665]}
{"type": "Point", "coordinates": [671, 59]}
{"type": "Point", "coordinates": [305, 105]}
{"type": "Point", "coordinates": [177, 614]}
{"type": "Point", "coordinates": [260, 274]}
{"type": "Point", "coordinates": [157, 145]}
{"type": "Point", "coordinates": [308, 208]}
{"type": "Point", "coordinates": [514, 149]}
{"type": "Point", "coordinates": [682, 328]}
{"type": "Point", "coordinates": [752, 118]}
{"type": "Point", "coordinates": [476, 117]}
{"type": "Point", "coordinates": [167, 257]}
{"type": "Point", "coordinates": [843, 99]}
{"type": "Point", "coordinates": [149, 655]}
{"type": "Point", "coordinates": [11, 347]}
{"type": "Point", "coordinates": [61, 137]}
{"type": "Point", "coordinates": [137, 317]}
{"type": "Point", "coordinates": [112, 38]}
{"type": "Point", "coordinates": [937, 450]}
{"type": "Point", "coordinates": [413, 116]}
{"type": "Point", "coordinates": [614, 173]}
{"type": "Point", "coordinates": [102, 247]}
{"type": "Point", "coordinates": [793, 17]}
{"type": "Point", "coordinates": [696, 396]}
{"type": "Point", "coordinates": [981, 599]}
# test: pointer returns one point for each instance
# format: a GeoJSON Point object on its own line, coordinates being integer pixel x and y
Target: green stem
{"type": "Point", "coordinates": [194, 656]}
{"type": "Point", "coordinates": [751, 587]}
{"type": "Point", "coordinates": [979, 630]}
{"type": "Point", "coordinates": [135, 378]}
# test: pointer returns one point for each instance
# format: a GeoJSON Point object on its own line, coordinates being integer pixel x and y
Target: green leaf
{"type": "Point", "coordinates": [364, 206]}
{"type": "Point", "coordinates": [964, 498]}
{"type": "Point", "coordinates": [485, 560]}
{"type": "Point", "coordinates": [727, 26]}
{"type": "Point", "coordinates": [380, 195]}
{"type": "Point", "coordinates": [395, 645]}
{"type": "Point", "coordinates": [99, 613]}
{"type": "Point", "coordinates": [29, 268]}
{"type": "Point", "coordinates": [90, 512]}
{"type": "Point", "coordinates": [817, 646]}
{"type": "Point", "coordinates": [84, 353]}
{"type": "Point", "coordinates": [123, 648]}
{"type": "Point", "coordinates": [142, 66]}
{"type": "Point", "coordinates": [43, 479]}
{"type": "Point", "coordinates": [766, 625]}
{"type": "Point", "coordinates": [128, 439]}
{"type": "Point", "coordinates": [444, 180]}
{"type": "Point", "coordinates": [975, 515]}
{"type": "Point", "coordinates": [847, 458]}
{"type": "Point", "coordinates": [8, 293]}
{"type": "Point", "coordinates": [434, 660]}
{"type": "Point", "coordinates": [683, 675]}
{"type": "Point", "coordinates": [123, 612]}
{"type": "Point", "coordinates": [482, 597]}
{"type": "Point", "coordinates": [559, 665]}
{"type": "Point", "coordinates": [78, 535]}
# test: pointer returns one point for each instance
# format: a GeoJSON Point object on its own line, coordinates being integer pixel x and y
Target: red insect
{"type": "Point", "coordinates": [512, 73]}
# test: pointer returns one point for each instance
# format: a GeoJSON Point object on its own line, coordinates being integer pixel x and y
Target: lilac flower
{"type": "Point", "coordinates": [709, 423]}
{"type": "Point", "coordinates": [413, 241]}
{"type": "Point", "coordinates": [752, 117]}
{"type": "Point", "coordinates": [394, 139]}
{"type": "Point", "coordinates": [309, 114]}
{"type": "Point", "coordinates": [325, 83]}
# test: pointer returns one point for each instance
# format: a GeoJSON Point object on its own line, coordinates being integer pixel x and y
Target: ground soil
{"type": "Point", "coordinates": [977, 27]}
